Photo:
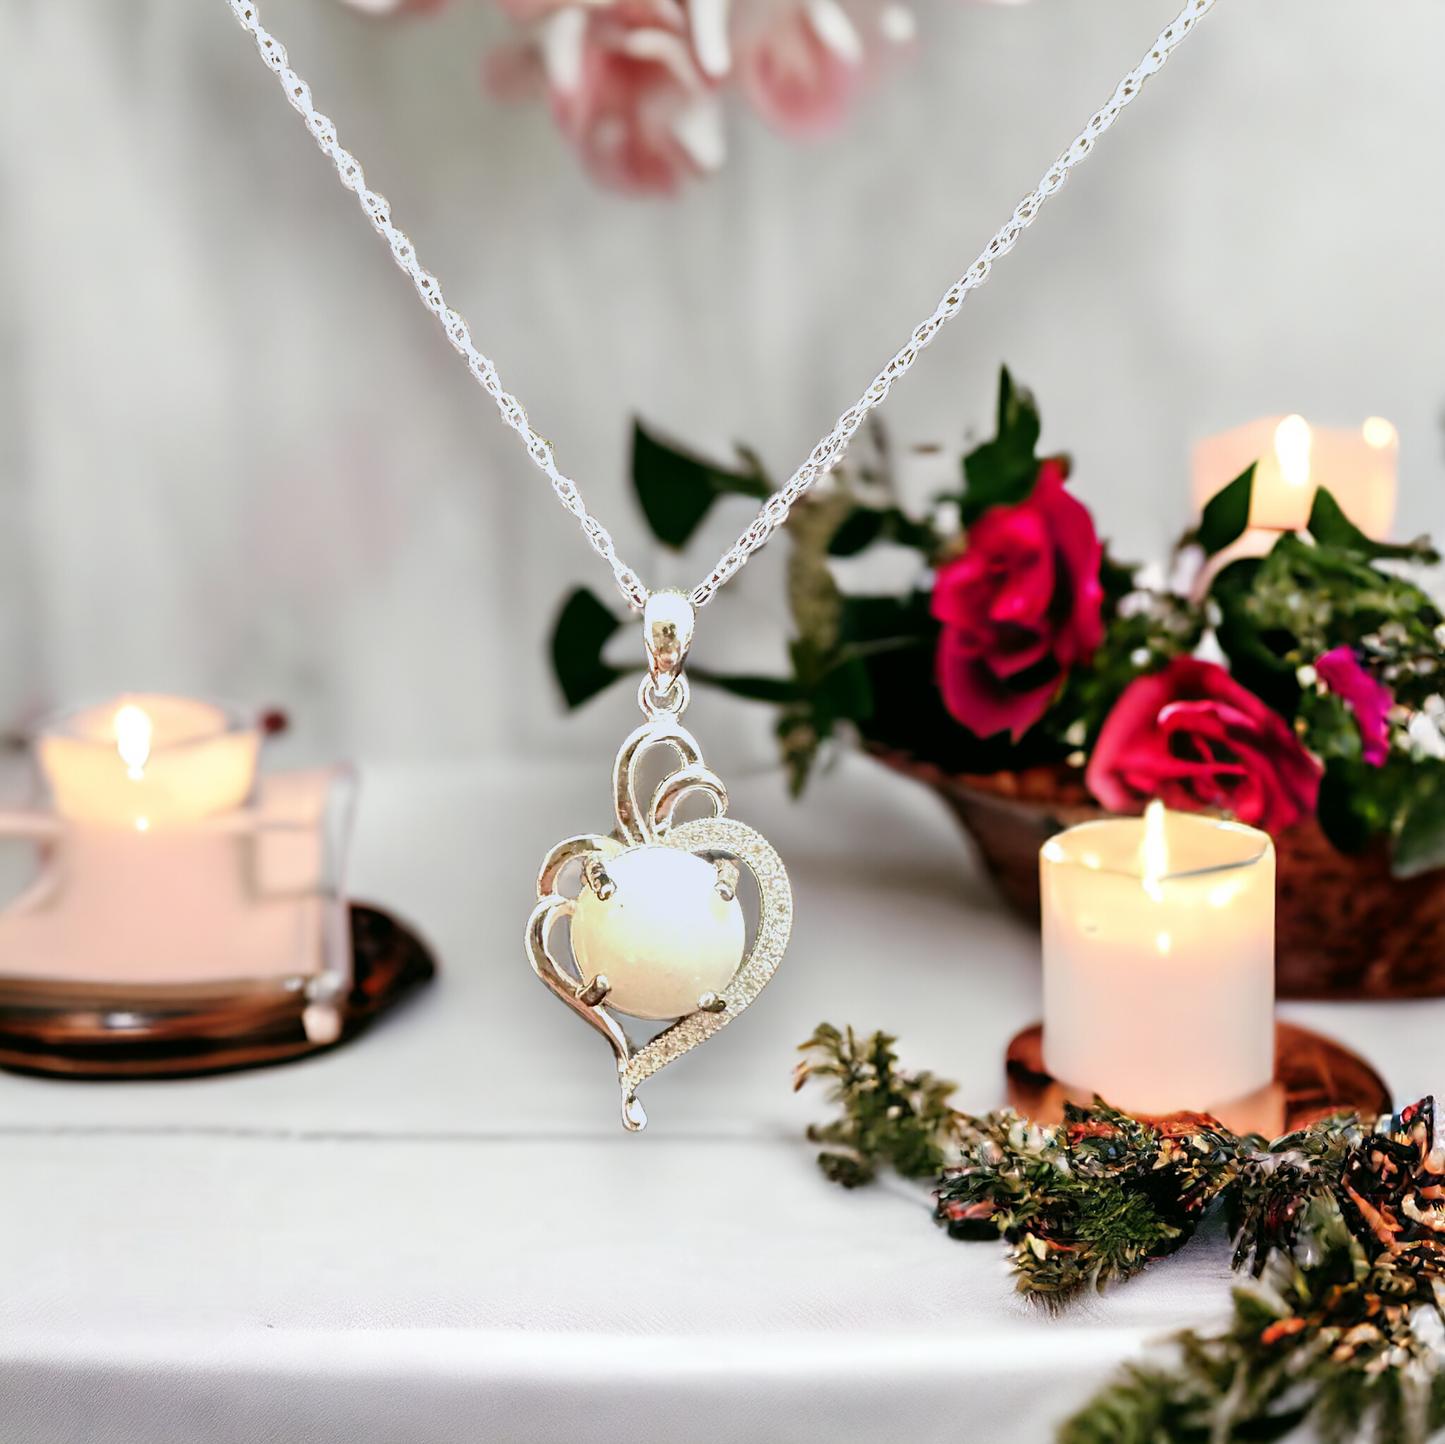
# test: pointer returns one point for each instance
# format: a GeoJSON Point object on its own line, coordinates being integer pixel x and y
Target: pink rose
{"type": "Point", "coordinates": [624, 86]}
{"type": "Point", "coordinates": [1368, 699]}
{"type": "Point", "coordinates": [800, 65]}
{"type": "Point", "coordinates": [633, 83]}
{"type": "Point", "coordinates": [1019, 608]}
{"type": "Point", "coordinates": [1191, 736]}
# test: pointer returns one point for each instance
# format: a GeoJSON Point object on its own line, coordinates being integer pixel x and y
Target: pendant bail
{"type": "Point", "coordinates": [667, 623]}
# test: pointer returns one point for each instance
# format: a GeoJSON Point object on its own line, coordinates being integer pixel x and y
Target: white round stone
{"type": "Point", "coordinates": [665, 936]}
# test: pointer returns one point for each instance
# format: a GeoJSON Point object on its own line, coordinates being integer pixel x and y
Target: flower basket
{"type": "Point", "coordinates": [1345, 928]}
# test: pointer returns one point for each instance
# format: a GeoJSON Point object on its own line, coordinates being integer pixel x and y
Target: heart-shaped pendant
{"type": "Point", "coordinates": [657, 930]}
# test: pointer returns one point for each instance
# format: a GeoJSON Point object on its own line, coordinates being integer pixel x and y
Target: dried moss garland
{"type": "Point", "coordinates": [1339, 1230]}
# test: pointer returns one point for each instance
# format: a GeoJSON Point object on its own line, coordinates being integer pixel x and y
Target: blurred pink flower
{"type": "Point", "coordinates": [634, 84]}
{"type": "Point", "coordinates": [394, 7]}
{"type": "Point", "coordinates": [1368, 699]}
{"type": "Point", "coordinates": [625, 88]}
{"type": "Point", "coordinates": [800, 63]}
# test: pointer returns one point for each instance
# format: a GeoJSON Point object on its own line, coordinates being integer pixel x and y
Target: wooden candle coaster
{"type": "Point", "coordinates": [95, 1030]}
{"type": "Point", "coordinates": [1313, 1078]}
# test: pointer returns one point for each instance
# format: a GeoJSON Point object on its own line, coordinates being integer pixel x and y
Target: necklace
{"type": "Point", "coordinates": [657, 929]}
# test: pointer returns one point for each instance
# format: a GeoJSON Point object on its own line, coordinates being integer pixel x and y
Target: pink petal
{"type": "Point", "coordinates": [797, 82]}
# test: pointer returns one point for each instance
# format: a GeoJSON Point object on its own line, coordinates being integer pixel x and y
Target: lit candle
{"type": "Point", "coordinates": [159, 871]}
{"type": "Point", "coordinates": [147, 761]}
{"type": "Point", "coordinates": [1159, 961]}
{"type": "Point", "coordinates": [1358, 467]}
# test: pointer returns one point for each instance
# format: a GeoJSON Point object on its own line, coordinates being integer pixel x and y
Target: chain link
{"type": "Point", "coordinates": [829, 451]}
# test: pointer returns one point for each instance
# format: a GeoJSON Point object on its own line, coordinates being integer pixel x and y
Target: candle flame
{"type": "Point", "coordinates": [1378, 433]}
{"type": "Point", "coordinates": [1155, 850]}
{"type": "Point", "coordinates": [1292, 441]}
{"type": "Point", "coordinates": [133, 738]}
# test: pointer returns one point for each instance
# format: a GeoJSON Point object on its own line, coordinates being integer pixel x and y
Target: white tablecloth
{"type": "Point", "coordinates": [442, 1234]}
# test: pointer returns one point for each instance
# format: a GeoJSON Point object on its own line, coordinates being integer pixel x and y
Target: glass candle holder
{"type": "Point", "coordinates": [1158, 937]}
{"type": "Point", "coordinates": [169, 869]}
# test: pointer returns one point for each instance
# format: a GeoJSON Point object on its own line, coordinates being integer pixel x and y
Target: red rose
{"type": "Point", "coordinates": [1193, 737]}
{"type": "Point", "coordinates": [1019, 608]}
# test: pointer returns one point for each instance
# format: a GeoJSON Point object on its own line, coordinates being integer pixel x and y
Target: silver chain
{"type": "Point", "coordinates": [829, 451]}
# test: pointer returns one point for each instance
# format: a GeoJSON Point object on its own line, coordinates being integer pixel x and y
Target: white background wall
{"type": "Point", "coordinates": [237, 457]}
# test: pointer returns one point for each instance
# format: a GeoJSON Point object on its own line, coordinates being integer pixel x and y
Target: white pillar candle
{"type": "Point", "coordinates": [1358, 467]}
{"type": "Point", "coordinates": [1159, 961]}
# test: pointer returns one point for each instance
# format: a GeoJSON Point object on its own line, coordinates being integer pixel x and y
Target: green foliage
{"type": "Point", "coordinates": [676, 489]}
{"type": "Point", "coordinates": [1308, 596]}
{"type": "Point", "coordinates": [1002, 472]}
{"type": "Point", "coordinates": [1402, 802]}
{"type": "Point", "coordinates": [1140, 638]}
{"type": "Point", "coordinates": [1336, 1224]}
{"type": "Point", "coordinates": [1339, 1234]}
{"type": "Point", "coordinates": [888, 1116]}
{"type": "Point", "coordinates": [1256, 653]}
{"type": "Point", "coordinates": [1092, 1201]}
{"type": "Point", "coordinates": [1330, 527]}
{"type": "Point", "coordinates": [1418, 827]}
{"type": "Point", "coordinates": [1226, 514]}
{"type": "Point", "coordinates": [866, 525]}
{"type": "Point", "coordinates": [1084, 1204]}
{"type": "Point", "coordinates": [583, 628]}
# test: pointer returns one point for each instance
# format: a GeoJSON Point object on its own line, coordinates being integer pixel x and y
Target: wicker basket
{"type": "Point", "coordinates": [1344, 927]}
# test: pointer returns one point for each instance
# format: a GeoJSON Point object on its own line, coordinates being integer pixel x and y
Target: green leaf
{"type": "Point", "coordinates": [865, 525]}
{"type": "Point", "coordinates": [845, 691]}
{"type": "Point", "coordinates": [1330, 527]}
{"type": "Point", "coordinates": [1002, 472]}
{"type": "Point", "coordinates": [1253, 662]}
{"type": "Point", "coordinates": [860, 529]}
{"type": "Point", "coordinates": [1226, 513]}
{"type": "Point", "coordinates": [1419, 842]}
{"type": "Point", "coordinates": [582, 630]}
{"type": "Point", "coordinates": [677, 489]}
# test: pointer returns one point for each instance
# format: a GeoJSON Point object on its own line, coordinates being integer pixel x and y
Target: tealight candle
{"type": "Point", "coordinates": [148, 761]}
{"type": "Point", "coordinates": [1358, 467]}
{"type": "Point", "coordinates": [1158, 940]}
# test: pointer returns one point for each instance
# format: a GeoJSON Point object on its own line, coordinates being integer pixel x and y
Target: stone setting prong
{"type": "Point", "coordinates": [594, 874]}
{"type": "Point", "coordinates": [595, 991]}
{"type": "Point", "coordinates": [727, 878]}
